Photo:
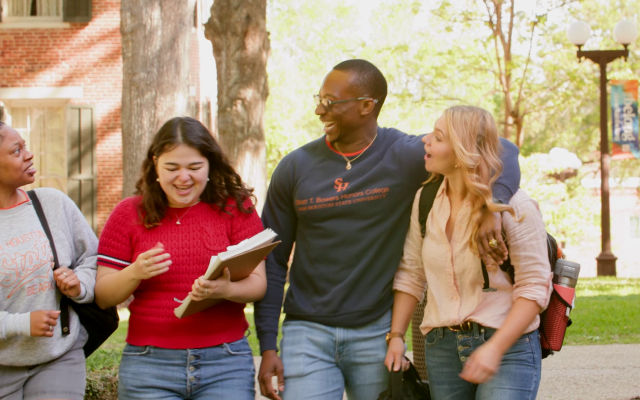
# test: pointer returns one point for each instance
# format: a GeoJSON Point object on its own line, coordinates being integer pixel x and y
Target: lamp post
{"type": "Point", "coordinates": [625, 32]}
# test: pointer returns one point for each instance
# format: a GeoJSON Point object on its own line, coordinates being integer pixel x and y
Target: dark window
{"type": "Point", "coordinates": [81, 182]}
{"type": "Point", "coordinates": [76, 10]}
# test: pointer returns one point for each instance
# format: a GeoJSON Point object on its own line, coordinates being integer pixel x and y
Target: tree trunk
{"type": "Point", "coordinates": [520, 130]}
{"type": "Point", "coordinates": [501, 17]}
{"type": "Point", "coordinates": [238, 33]}
{"type": "Point", "coordinates": [155, 61]}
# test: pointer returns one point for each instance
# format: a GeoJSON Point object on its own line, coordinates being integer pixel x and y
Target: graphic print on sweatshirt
{"type": "Point", "coordinates": [340, 196]}
{"type": "Point", "coordinates": [25, 265]}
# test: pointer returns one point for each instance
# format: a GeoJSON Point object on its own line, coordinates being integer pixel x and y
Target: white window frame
{"type": "Point", "coordinates": [9, 22]}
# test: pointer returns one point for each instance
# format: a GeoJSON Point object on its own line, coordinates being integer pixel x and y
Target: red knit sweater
{"type": "Point", "coordinates": [204, 230]}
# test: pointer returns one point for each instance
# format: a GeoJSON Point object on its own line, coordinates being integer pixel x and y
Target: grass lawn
{"type": "Point", "coordinates": [606, 311]}
{"type": "Point", "coordinates": [102, 365]}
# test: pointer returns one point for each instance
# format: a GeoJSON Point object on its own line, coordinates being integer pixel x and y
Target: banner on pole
{"type": "Point", "coordinates": [624, 119]}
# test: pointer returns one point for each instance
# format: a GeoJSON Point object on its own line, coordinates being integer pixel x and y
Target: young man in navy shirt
{"type": "Point", "coordinates": [344, 200]}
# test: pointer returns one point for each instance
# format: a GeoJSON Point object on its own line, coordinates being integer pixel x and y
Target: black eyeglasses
{"type": "Point", "coordinates": [326, 103]}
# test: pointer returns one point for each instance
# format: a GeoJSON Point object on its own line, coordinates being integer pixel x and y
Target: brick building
{"type": "Point", "coordinates": [61, 88]}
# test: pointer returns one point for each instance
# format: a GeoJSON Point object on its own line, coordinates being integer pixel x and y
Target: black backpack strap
{"type": "Point", "coordinates": [552, 250]}
{"type": "Point", "coordinates": [485, 278]}
{"type": "Point", "coordinates": [427, 196]}
{"type": "Point", "coordinates": [64, 308]}
{"type": "Point", "coordinates": [43, 221]}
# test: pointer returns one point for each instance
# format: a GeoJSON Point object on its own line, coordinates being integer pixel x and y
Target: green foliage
{"type": "Point", "coordinates": [102, 366]}
{"type": "Point", "coordinates": [102, 384]}
{"type": "Point", "coordinates": [558, 199]}
{"type": "Point", "coordinates": [409, 44]}
{"type": "Point", "coordinates": [439, 53]}
{"type": "Point", "coordinates": [302, 52]}
{"type": "Point", "coordinates": [626, 168]}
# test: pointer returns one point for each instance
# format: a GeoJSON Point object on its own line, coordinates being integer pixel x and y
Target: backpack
{"type": "Point", "coordinates": [406, 385]}
{"type": "Point", "coordinates": [549, 332]}
{"type": "Point", "coordinates": [98, 323]}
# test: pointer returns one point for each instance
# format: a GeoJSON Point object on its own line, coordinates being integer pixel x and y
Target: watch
{"type": "Point", "coordinates": [391, 335]}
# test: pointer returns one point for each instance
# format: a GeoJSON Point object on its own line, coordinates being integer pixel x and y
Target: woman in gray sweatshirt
{"type": "Point", "coordinates": [36, 360]}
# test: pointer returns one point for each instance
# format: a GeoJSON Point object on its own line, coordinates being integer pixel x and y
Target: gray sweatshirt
{"type": "Point", "coordinates": [26, 275]}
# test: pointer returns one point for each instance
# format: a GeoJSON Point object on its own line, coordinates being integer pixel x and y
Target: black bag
{"type": "Point", "coordinates": [98, 323]}
{"type": "Point", "coordinates": [428, 195]}
{"type": "Point", "coordinates": [406, 385]}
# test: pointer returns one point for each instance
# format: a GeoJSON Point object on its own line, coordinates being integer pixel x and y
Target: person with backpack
{"type": "Point", "coordinates": [38, 358]}
{"type": "Point", "coordinates": [481, 328]}
{"type": "Point", "coordinates": [190, 205]}
{"type": "Point", "coordinates": [343, 201]}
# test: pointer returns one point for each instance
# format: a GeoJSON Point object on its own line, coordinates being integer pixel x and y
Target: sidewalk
{"type": "Point", "coordinates": [602, 372]}
{"type": "Point", "coordinates": [598, 372]}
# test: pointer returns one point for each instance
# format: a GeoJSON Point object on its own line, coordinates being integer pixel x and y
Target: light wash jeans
{"type": "Point", "coordinates": [517, 379]}
{"type": "Point", "coordinates": [220, 372]}
{"type": "Point", "coordinates": [321, 361]}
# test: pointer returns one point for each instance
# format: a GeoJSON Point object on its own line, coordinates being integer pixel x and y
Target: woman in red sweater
{"type": "Point", "coordinates": [190, 205]}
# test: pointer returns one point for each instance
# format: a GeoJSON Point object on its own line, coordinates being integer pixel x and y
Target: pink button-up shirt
{"type": "Point", "coordinates": [453, 272]}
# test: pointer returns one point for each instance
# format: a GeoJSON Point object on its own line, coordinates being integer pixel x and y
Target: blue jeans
{"type": "Point", "coordinates": [220, 372]}
{"type": "Point", "coordinates": [517, 379]}
{"type": "Point", "coordinates": [321, 361]}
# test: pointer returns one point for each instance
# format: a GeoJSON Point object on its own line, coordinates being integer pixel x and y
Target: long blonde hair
{"type": "Point", "coordinates": [473, 136]}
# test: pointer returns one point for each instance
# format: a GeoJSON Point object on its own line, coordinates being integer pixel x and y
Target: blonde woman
{"type": "Point", "coordinates": [480, 344]}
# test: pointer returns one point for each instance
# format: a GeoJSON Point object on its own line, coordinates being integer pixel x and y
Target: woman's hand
{"type": "Point", "coordinates": [395, 359]}
{"type": "Point", "coordinates": [485, 361]}
{"type": "Point", "coordinates": [216, 289]}
{"type": "Point", "coordinates": [482, 365]}
{"type": "Point", "coordinates": [42, 322]}
{"type": "Point", "coordinates": [67, 281]}
{"type": "Point", "coordinates": [491, 244]}
{"type": "Point", "coordinates": [151, 263]}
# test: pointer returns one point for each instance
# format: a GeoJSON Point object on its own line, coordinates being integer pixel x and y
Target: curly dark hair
{"type": "Point", "coordinates": [224, 182]}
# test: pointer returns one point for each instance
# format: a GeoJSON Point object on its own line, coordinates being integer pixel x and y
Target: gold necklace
{"type": "Point", "coordinates": [349, 161]}
{"type": "Point", "coordinates": [178, 219]}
